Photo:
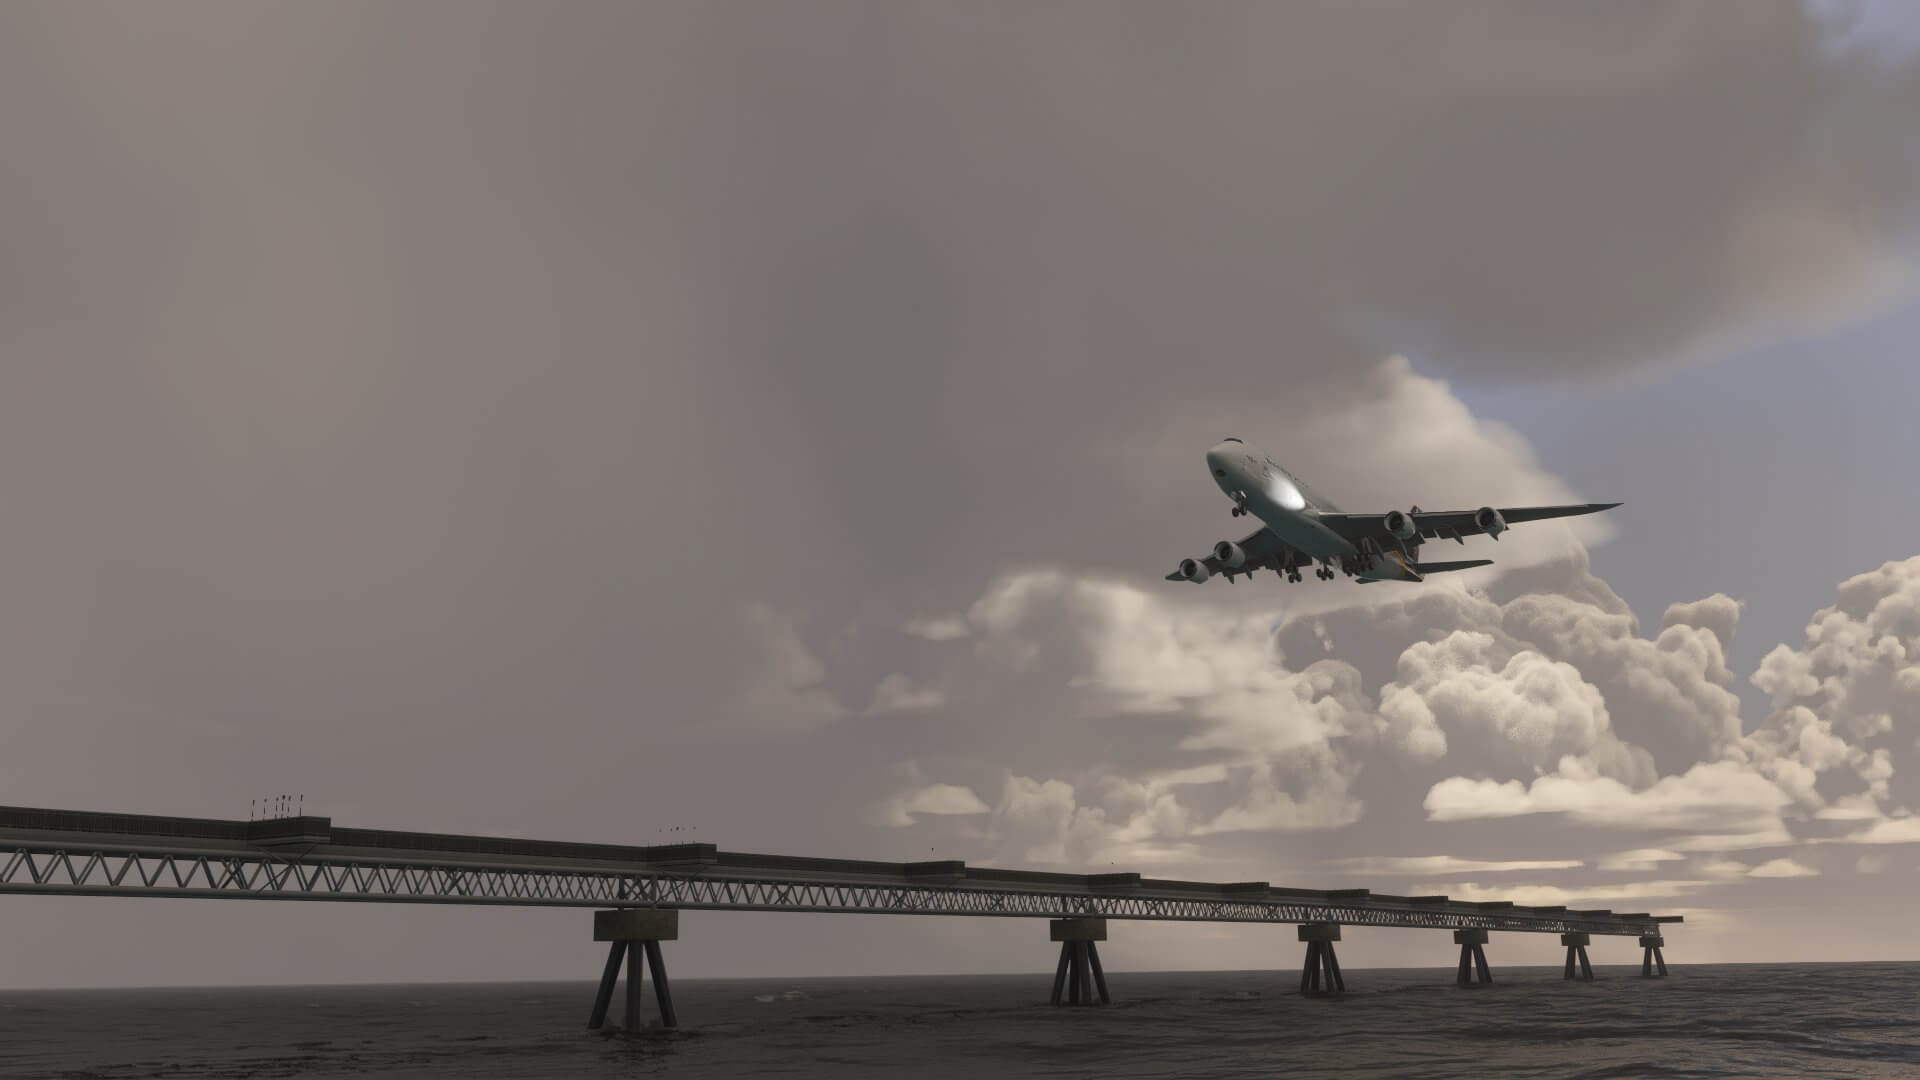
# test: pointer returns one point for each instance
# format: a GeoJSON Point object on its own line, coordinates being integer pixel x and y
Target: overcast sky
{"type": "Point", "coordinates": [769, 425]}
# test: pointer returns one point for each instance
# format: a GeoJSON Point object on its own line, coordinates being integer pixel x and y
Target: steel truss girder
{"type": "Point", "coordinates": [287, 876]}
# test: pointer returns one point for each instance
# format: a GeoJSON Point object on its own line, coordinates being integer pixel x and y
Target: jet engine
{"type": "Point", "coordinates": [1399, 525]}
{"type": "Point", "coordinates": [1489, 521]}
{"type": "Point", "coordinates": [1193, 570]}
{"type": "Point", "coordinates": [1229, 554]}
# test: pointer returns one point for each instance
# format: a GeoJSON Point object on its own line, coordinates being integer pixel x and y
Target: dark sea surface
{"type": "Point", "coordinates": [1790, 1020]}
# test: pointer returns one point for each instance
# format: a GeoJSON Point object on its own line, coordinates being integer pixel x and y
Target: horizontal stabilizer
{"type": "Point", "coordinates": [1442, 567]}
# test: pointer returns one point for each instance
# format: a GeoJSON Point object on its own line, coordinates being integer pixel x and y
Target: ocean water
{"type": "Point", "coordinates": [1796, 1020]}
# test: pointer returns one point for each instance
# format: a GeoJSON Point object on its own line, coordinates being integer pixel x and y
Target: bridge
{"type": "Point", "coordinates": [639, 890]}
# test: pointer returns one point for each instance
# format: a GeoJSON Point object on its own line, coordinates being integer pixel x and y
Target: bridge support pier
{"type": "Point", "coordinates": [1079, 975]}
{"type": "Point", "coordinates": [1321, 963]}
{"type": "Point", "coordinates": [636, 933]}
{"type": "Point", "coordinates": [1650, 945]}
{"type": "Point", "coordinates": [1473, 954]}
{"type": "Point", "coordinates": [1577, 950]}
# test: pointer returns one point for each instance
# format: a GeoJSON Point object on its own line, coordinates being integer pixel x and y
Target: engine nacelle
{"type": "Point", "coordinates": [1194, 570]}
{"type": "Point", "coordinates": [1399, 525]}
{"type": "Point", "coordinates": [1229, 554]}
{"type": "Point", "coordinates": [1489, 521]}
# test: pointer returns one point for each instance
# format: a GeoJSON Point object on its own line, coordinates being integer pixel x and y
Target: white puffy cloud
{"type": "Point", "coordinates": [941, 628]}
{"type": "Point", "coordinates": [897, 693]}
{"type": "Point", "coordinates": [1521, 708]}
{"type": "Point", "coordinates": [1578, 895]}
{"type": "Point", "coordinates": [1670, 691]}
{"type": "Point", "coordinates": [1447, 864]}
{"type": "Point", "coordinates": [1639, 860]}
{"type": "Point", "coordinates": [1782, 868]}
{"type": "Point", "coordinates": [1718, 613]}
{"type": "Point", "coordinates": [1904, 830]}
{"type": "Point", "coordinates": [1718, 798]}
{"type": "Point", "coordinates": [942, 800]}
{"type": "Point", "coordinates": [783, 688]}
{"type": "Point", "coordinates": [1041, 821]}
{"type": "Point", "coordinates": [1842, 734]}
{"type": "Point", "coordinates": [1719, 866]}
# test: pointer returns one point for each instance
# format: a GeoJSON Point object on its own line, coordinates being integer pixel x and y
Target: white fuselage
{"type": "Point", "coordinates": [1280, 501]}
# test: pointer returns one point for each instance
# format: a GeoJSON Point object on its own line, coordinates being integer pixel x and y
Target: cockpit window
{"type": "Point", "coordinates": [1229, 439]}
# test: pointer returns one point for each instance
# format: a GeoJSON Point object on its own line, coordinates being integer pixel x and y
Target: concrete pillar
{"type": "Point", "coordinates": [635, 934]}
{"type": "Point", "coordinates": [1472, 955]}
{"type": "Point", "coordinates": [1650, 945]}
{"type": "Point", "coordinates": [1577, 952]}
{"type": "Point", "coordinates": [1321, 966]}
{"type": "Point", "coordinates": [1078, 976]}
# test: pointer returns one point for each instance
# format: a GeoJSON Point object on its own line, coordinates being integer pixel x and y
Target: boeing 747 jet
{"type": "Point", "coordinates": [1299, 528]}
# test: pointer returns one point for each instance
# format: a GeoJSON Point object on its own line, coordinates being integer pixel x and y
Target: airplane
{"type": "Point", "coordinates": [1299, 528]}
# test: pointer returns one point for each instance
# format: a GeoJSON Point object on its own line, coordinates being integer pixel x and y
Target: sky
{"type": "Point", "coordinates": [769, 426]}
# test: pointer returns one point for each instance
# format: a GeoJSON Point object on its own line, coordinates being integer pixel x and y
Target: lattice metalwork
{"type": "Point", "coordinates": [68, 868]}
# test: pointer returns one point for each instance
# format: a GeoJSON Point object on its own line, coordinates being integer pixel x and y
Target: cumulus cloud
{"type": "Point", "coordinates": [942, 628]}
{"type": "Point", "coordinates": [1721, 798]}
{"type": "Point", "coordinates": [1510, 704]}
{"type": "Point", "coordinates": [1042, 822]}
{"type": "Point", "coordinates": [1842, 733]}
{"type": "Point", "coordinates": [1782, 868]}
{"type": "Point", "coordinates": [1718, 613]}
{"type": "Point", "coordinates": [1517, 707]}
{"type": "Point", "coordinates": [1546, 895]}
{"type": "Point", "coordinates": [944, 800]}
{"type": "Point", "coordinates": [1671, 691]}
{"type": "Point", "coordinates": [1448, 864]}
{"type": "Point", "coordinates": [897, 693]}
{"type": "Point", "coordinates": [783, 689]}
{"type": "Point", "coordinates": [1904, 830]}
{"type": "Point", "coordinates": [1638, 861]}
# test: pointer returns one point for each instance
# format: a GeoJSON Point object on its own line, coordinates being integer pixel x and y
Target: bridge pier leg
{"type": "Point", "coordinates": [1577, 952]}
{"type": "Point", "coordinates": [1321, 966]}
{"type": "Point", "coordinates": [1651, 955]}
{"type": "Point", "coordinates": [604, 996]}
{"type": "Point", "coordinates": [635, 934]}
{"type": "Point", "coordinates": [1078, 973]}
{"type": "Point", "coordinates": [1473, 956]}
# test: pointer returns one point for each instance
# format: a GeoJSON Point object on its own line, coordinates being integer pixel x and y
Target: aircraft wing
{"type": "Point", "coordinates": [1264, 551]}
{"type": "Point", "coordinates": [1453, 524]}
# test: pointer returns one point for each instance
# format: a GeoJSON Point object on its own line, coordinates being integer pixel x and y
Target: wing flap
{"type": "Point", "coordinates": [1445, 567]}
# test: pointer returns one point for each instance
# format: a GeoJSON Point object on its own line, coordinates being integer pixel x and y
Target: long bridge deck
{"type": "Point", "coordinates": [68, 852]}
